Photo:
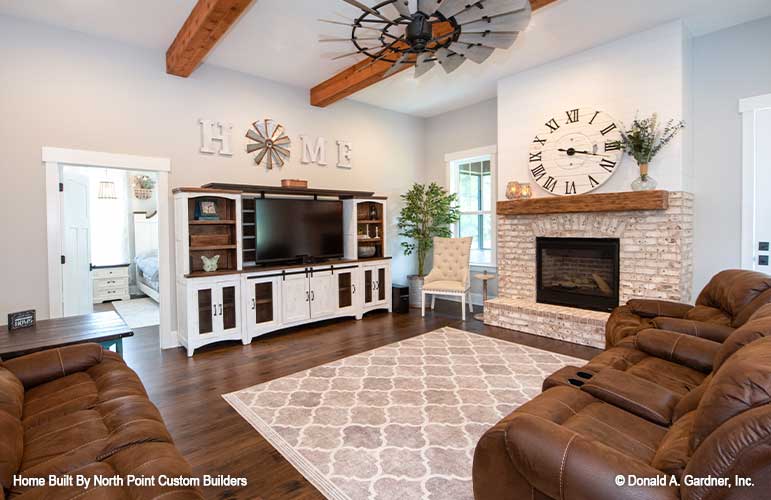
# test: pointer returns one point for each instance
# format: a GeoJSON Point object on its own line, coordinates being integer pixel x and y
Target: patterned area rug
{"type": "Point", "coordinates": [401, 421]}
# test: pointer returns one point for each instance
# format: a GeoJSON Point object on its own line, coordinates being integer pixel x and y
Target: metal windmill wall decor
{"type": "Point", "coordinates": [270, 143]}
{"type": "Point", "coordinates": [424, 32]}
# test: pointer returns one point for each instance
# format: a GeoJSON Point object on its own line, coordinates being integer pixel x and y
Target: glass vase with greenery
{"type": "Point", "coordinates": [428, 212]}
{"type": "Point", "coordinates": [643, 140]}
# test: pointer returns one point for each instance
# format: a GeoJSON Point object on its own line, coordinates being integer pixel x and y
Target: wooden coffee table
{"type": "Point", "coordinates": [105, 328]}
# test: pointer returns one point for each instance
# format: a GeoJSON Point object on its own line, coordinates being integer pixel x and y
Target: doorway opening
{"type": "Point", "coordinates": [756, 183]}
{"type": "Point", "coordinates": [108, 238]}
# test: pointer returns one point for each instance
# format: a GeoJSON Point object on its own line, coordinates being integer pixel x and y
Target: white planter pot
{"type": "Point", "coordinates": [416, 289]}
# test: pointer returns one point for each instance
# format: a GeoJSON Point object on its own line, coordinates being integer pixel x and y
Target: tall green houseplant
{"type": "Point", "coordinates": [428, 212]}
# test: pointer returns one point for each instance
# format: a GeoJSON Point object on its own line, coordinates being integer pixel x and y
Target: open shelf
{"type": "Point", "coordinates": [209, 238]}
{"type": "Point", "coordinates": [370, 222]}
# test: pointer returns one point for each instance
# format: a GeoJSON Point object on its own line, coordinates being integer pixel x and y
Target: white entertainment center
{"type": "Point", "coordinates": [242, 301]}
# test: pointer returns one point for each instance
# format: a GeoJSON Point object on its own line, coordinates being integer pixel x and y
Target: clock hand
{"type": "Point", "coordinates": [571, 152]}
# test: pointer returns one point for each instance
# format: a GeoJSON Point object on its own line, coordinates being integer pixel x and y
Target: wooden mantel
{"type": "Point", "coordinates": [601, 202]}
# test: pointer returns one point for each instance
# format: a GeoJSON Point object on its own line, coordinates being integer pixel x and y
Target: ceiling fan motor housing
{"type": "Point", "coordinates": [419, 32]}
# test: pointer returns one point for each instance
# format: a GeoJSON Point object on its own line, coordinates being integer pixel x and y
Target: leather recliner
{"type": "Point", "coordinates": [572, 444]}
{"type": "Point", "coordinates": [79, 410]}
{"type": "Point", "coordinates": [726, 303]}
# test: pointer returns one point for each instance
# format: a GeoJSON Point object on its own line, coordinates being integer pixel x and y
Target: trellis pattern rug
{"type": "Point", "coordinates": [401, 421]}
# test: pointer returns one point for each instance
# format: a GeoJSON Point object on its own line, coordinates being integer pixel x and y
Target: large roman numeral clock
{"type": "Point", "coordinates": [575, 152]}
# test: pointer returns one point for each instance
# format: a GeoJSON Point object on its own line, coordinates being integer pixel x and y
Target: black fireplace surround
{"type": "Point", "coordinates": [578, 272]}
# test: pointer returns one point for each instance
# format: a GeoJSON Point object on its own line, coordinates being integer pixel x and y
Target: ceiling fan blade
{"type": "Point", "coordinates": [403, 7]}
{"type": "Point", "coordinates": [491, 39]}
{"type": "Point", "coordinates": [354, 53]}
{"type": "Point", "coordinates": [423, 64]}
{"type": "Point", "coordinates": [428, 7]}
{"type": "Point", "coordinates": [490, 8]}
{"type": "Point", "coordinates": [369, 10]}
{"type": "Point", "coordinates": [476, 53]}
{"type": "Point", "coordinates": [397, 65]}
{"type": "Point", "coordinates": [450, 61]}
{"type": "Point", "coordinates": [515, 21]}
{"type": "Point", "coordinates": [450, 7]}
{"type": "Point", "coordinates": [357, 38]}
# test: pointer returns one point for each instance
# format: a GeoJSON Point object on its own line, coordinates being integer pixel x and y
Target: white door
{"type": "Point", "coordinates": [76, 246]}
{"type": "Point", "coordinates": [295, 298]}
{"type": "Point", "coordinates": [762, 190]}
{"type": "Point", "coordinates": [323, 294]}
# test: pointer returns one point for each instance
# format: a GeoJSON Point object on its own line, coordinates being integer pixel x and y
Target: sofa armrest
{"type": "Point", "coordinates": [681, 348]}
{"type": "Point", "coordinates": [648, 308]}
{"type": "Point", "coordinates": [633, 394]}
{"type": "Point", "coordinates": [709, 331]}
{"type": "Point", "coordinates": [563, 464]}
{"type": "Point", "coordinates": [45, 366]}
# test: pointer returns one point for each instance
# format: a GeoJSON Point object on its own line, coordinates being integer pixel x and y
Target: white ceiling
{"type": "Point", "coordinates": [278, 39]}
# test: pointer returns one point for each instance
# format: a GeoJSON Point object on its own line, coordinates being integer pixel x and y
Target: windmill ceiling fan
{"type": "Point", "coordinates": [425, 32]}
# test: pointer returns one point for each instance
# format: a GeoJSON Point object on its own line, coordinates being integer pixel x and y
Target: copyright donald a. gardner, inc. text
{"type": "Point", "coordinates": [688, 480]}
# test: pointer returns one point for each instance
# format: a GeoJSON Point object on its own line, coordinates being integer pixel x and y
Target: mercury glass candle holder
{"type": "Point", "coordinates": [513, 190]}
{"type": "Point", "coordinates": [526, 192]}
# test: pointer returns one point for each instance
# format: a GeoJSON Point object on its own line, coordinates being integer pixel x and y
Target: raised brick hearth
{"type": "Point", "coordinates": [656, 261]}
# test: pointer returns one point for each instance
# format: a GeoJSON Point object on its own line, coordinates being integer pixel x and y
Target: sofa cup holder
{"type": "Point", "coordinates": [585, 375]}
{"type": "Point", "coordinates": [576, 382]}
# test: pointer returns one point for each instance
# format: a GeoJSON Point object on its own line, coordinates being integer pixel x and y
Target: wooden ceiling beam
{"type": "Point", "coordinates": [364, 74]}
{"type": "Point", "coordinates": [207, 23]}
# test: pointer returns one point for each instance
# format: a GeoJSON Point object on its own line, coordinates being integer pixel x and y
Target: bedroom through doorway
{"type": "Point", "coordinates": [110, 243]}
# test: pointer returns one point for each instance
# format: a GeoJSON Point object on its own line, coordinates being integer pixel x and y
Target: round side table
{"type": "Point", "coordinates": [484, 278]}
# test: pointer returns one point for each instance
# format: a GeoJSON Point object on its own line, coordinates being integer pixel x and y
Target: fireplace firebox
{"type": "Point", "coordinates": [578, 272]}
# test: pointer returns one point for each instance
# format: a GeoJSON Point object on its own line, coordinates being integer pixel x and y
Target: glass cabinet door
{"type": "Point", "coordinates": [368, 285]}
{"type": "Point", "coordinates": [381, 284]}
{"type": "Point", "coordinates": [206, 311]}
{"type": "Point", "coordinates": [228, 307]}
{"type": "Point", "coordinates": [345, 290]}
{"type": "Point", "coordinates": [262, 302]}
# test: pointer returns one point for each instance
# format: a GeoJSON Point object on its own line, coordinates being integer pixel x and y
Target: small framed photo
{"type": "Point", "coordinates": [206, 210]}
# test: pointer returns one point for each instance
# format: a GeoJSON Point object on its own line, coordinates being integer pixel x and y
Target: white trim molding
{"type": "Point", "coordinates": [748, 108]}
{"type": "Point", "coordinates": [53, 160]}
{"type": "Point", "coordinates": [477, 154]}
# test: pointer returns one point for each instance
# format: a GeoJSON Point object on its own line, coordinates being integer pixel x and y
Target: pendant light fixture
{"type": "Point", "coordinates": [107, 189]}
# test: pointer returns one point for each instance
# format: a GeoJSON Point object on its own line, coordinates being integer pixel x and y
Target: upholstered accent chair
{"type": "Point", "coordinates": [450, 274]}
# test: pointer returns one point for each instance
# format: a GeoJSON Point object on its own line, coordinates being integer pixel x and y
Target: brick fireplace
{"type": "Point", "coordinates": [654, 231]}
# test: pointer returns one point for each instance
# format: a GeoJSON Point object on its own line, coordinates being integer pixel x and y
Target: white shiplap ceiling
{"type": "Point", "coordinates": [278, 39]}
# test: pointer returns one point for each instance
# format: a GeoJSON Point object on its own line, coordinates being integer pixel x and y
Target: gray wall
{"type": "Point", "coordinates": [729, 65]}
{"type": "Point", "coordinates": [64, 89]}
{"type": "Point", "coordinates": [466, 128]}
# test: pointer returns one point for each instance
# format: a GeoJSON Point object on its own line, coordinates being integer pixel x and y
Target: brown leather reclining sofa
{"type": "Point", "coordinates": [80, 410]}
{"type": "Point", "coordinates": [662, 404]}
{"type": "Point", "coordinates": [728, 300]}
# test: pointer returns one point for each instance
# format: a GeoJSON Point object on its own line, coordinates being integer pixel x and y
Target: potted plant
{"type": "Point", "coordinates": [428, 212]}
{"type": "Point", "coordinates": [643, 141]}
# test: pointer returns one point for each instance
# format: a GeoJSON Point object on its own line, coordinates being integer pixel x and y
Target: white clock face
{"type": "Point", "coordinates": [575, 152]}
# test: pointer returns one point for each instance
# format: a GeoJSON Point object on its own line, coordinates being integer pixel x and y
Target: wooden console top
{"type": "Point", "coordinates": [262, 269]}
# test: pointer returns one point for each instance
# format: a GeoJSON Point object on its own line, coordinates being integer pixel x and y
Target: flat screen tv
{"type": "Point", "coordinates": [291, 230]}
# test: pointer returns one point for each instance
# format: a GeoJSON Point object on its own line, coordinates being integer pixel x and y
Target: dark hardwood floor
{"type": "Point", "coordinates": [216, 440]}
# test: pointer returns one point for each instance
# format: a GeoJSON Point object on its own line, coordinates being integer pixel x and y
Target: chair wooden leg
{"type": "Point", "coordinates": [433, 302]}
{"type": "Point", "coordinates": [463, 306]}
{"type": "Point", "coordinates": [470, 305]}
{"type": "Point", "coordinates": [423, 305]}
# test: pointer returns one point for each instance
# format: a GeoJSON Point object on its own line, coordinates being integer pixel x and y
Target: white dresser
{"type": "Point", "coordinates": [110, 283]}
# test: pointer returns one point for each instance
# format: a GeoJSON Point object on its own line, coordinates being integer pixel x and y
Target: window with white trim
{"type": "Point", "coordinates": [472, 180]}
